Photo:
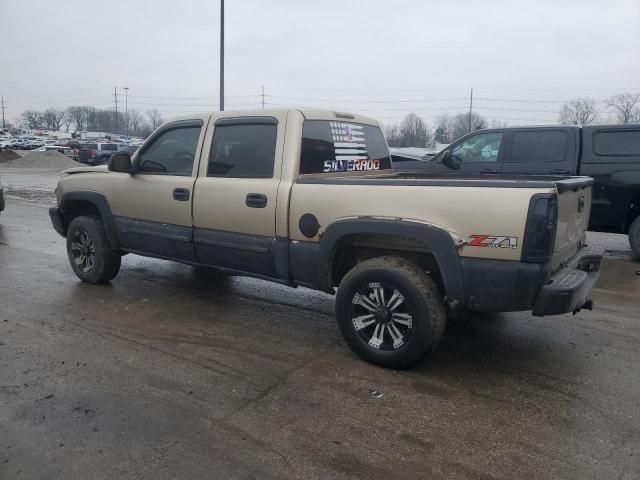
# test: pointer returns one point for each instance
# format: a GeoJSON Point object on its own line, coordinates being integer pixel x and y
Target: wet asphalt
{"type": "Point", "coordinates": [169, 372]}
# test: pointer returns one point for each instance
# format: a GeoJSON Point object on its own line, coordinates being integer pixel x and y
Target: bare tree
{"type": "Point", "coordinates": [135, 121]}
{"type": "Point", "coordinates": [104, 121]}
{"type": "Point", "coordinates": [460, 125]}
{"type": "Point", "coordinates": [53, 118]}
{"type": "Point", "coordinates": [32, 119]}
{"type": "Point", "coordinates": [578, 111]}
{"type": "Point", "coordinates": [498, 124]}
{"type": "Point", "coordinates": [444, 128]}
{"type": "Point", "coordinates": [67, 120]}
{"type": "Point", "coordinates": [414, 132]}
{"type": "Point", "coordinates": [144, 130]}
{"type": "Point", "coordinates": [90, 118]}
{"type": "Point", "coordinates": [155, 118]}
{"type": "Point", "coordinates": [626, 107]}
{"type": "Point", "coordinates": [392, 134]}
{"type": "Point", "coordinates": [78, 117]}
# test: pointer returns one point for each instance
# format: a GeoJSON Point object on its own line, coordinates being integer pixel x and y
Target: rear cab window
{"type": "Point", "coordinates": [330, 146]}
{"type": "Point", "coordinates": [617, 143]}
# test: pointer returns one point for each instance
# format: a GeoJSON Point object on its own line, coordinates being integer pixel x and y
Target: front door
{"type": "Point", "coordinates": [235, 195]}
{"type": "Point", "coordinates": [152, 207]}
{"type": "Point", "coordinates": [478, 153]}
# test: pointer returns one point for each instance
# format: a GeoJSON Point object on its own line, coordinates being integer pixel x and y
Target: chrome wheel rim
{"type": "Point", "coordinates": [381, 316]}
{"type": "Point", "coordinates": [83, 251]}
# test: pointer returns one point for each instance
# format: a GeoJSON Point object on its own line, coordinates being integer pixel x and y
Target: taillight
{"type": "Point", "coordinates": [93, 154]}
{"type": "Point", "coordinates": [540, 232]}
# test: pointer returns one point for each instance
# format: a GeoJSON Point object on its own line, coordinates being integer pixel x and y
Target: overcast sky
{"type": "Point", "coordinates": [381, 58]}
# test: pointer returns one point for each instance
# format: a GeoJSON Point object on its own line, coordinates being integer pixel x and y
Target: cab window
{"type": "Point", "coordinates": [538, 146]}
{"type": "Point", "coordinates": [243, 151]}
{"type": "Point", "coordinates": [172, 153]}
{"type": "Point", "coordinates": [484, 147]}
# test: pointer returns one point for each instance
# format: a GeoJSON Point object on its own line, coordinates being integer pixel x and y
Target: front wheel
{"type": "Point", "coordinates": [634, 237]}
{"type": "Point", "coordinates": [390, 312]}
{"type": "Point", "coordinates": [92, 258]}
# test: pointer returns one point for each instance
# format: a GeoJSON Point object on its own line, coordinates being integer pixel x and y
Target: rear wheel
{"type": "Point", "coordinates": [90, 255]}
{"type": "Point", "coordinates": [390, 312]}
{"type": "Point", "coordinates": [634, 237]}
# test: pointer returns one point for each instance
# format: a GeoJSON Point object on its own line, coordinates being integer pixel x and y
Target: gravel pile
{"type": "Point", "coordinates": [50, 159]}
{"type": "Point", "coordinates": [8, 155]}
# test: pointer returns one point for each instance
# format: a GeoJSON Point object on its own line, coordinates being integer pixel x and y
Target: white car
{"type": "Point", "coordinates": [13, 143]}
{"type": "Point", "coordinates": [5, 142]}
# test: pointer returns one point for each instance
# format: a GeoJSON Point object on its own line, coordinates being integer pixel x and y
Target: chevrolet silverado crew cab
{"type": "Point", "coordinates": [309, 198]}
{"type": "Point", "coordinates": [608, 153]}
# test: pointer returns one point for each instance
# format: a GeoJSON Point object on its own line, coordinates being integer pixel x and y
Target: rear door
{"type": "Point", "coordinates": [541, 151]}
{"type": "Point", "coordinates": [234, 209]}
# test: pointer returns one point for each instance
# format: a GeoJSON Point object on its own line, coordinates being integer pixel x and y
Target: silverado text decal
{"type": "Point", "coordinates": [350, 148]}
{"type": "Point", "coordinates": [350, 165]}
{"type": "Point", "coordinates": [493, 241]}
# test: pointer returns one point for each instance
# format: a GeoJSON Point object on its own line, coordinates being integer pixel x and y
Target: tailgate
{"type": "Point", "coordinates": [84, 154]}
{"type": "Point", "coordinates": [574, 207]}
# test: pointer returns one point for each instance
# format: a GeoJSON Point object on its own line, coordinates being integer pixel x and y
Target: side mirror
{"type": "Point", "coordinates": [450, 161]}
{"type": "Point", "coordinates": [120, 162]}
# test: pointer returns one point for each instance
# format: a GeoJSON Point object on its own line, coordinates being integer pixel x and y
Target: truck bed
{"type": "Point", "coordinates": [445, 180]}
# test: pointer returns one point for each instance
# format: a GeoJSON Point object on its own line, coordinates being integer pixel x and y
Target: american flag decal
{"type": "Point", "coordinates": [348, 141]}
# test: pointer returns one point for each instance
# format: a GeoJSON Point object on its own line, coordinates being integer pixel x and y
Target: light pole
{"type": "Point", "coordinates": [222, 55]}
{"type": "Point", "coordinates": [126, 110]}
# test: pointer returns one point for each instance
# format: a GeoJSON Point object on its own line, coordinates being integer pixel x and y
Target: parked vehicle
{"type": "Point", "coordinates": [32, 143]}
{"type": "Point", "coordinates": [98, 153]}
{"type": "Point", "coordinates": [7, 143]}
{"type": "Point", "coordinates": [608, 153]}
{"type": "Point", "coordinates": [69, 152]}
{"type": "Point", "coordinates": [130, 149]}
{"type": "Point", "coordinates": [13, 144]}
{"type": "Point", "coordinates": [308, 197]}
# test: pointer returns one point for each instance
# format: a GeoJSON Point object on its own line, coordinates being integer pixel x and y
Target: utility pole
{"type": "Point", "coordinates": [115, 98]}
{"type": "Point", "coordinates": [126, 110]}
{"type": "Point", "coordinates": [470, 108]}
{"type": "Point", "coordinates": [3, 125]}
{"type": "Point", "coordinates": [263, 97]}
{"type": "Point", "coordinates": [222, 55]}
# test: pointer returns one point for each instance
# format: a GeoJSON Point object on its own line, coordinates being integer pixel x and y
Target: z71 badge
{"type": "Point", "coordinates": [493, 241]}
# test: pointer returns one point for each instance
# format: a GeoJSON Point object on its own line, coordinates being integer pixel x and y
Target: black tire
{"type": "Point", "coordinates": [634, 237]}
{"type": "Point", "coordinates": [408, 334]}
{"type": "Point", "coordinates": [86, 236]}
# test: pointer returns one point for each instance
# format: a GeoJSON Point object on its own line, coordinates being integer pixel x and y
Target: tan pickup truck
{"type": "Point", "coordinates": [309, 198]}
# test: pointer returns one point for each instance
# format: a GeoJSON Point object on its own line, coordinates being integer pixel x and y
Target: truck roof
{"type": "Point", "coordinates": [308, 113]}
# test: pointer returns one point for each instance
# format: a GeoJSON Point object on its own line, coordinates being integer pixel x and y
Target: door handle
{"type": "Point", "coordinates": [181, 194]}
{"type": "Point", "coordinates": [256, 200]}
{"type": "Point", "coordinates": [488, 170]}
{"type": "Point", "coordinates": [560, 171]}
